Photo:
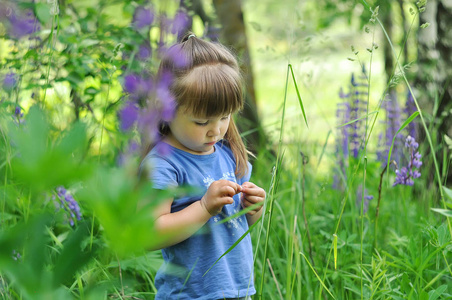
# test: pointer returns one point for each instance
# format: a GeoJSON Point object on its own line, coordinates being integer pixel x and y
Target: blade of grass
{"type": "Point", "coordinates": [233, 246]}
{"type": "Point", "coordinates": [356, 120]}
{"type": "Point", "coordinates": [274, 279]}
{"type": "Point", "coordinates": [316, 275]}
{"type": "Point", "coordinates": [274, 184]}
{"type": "Point", "coordinates": [298, 95]}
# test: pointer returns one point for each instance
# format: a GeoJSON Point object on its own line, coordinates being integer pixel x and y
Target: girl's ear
{"type": "Point", "coordinates": [164, 128]}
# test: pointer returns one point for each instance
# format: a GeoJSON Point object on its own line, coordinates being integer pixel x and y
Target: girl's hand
{"type": "Point", "coordinates": [252, 194]}
{"type": "Point", "coordinates": [219, 194]}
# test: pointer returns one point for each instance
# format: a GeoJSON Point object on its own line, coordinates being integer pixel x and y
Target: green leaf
{"type": "Point", "coordinates": [114, 195]}
{"type": "Point", "coordinates": [43, 12]}
{"type": "Point", "coordinates": [444, 212]}
{"type": "Point", "coordinates": [88, 42]}
{"type": "Point", "coordinates": [72, 257]}
{"type": "Point", "coordinates": [448, 141]}
{"type": "Point", "coordinates": [433, 295]}
{"type": "Point", "coordinates": [448, 192]}
{"type": "Point", "coordinates": [443, 235]}
{"type": "Point", "coordinates": [43, 163]}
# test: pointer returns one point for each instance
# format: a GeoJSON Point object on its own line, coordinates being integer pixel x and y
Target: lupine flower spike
{"type": "Point", "coordinates": [68, 202]}
{"type": "Point", "coordinates": [406, 175]}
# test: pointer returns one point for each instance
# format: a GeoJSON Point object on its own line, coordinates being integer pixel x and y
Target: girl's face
{"type": "Point", "coordinates": [194, 134]}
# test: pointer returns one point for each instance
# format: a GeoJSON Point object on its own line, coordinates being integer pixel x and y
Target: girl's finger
{"type": "Point", "coordinates": [254, 199]}
{"type": "Point", "coordinates": [228, 190]}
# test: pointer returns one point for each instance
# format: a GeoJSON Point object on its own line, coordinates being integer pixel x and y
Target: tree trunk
{"type": "Point", "coordinates": [387, 16]}
{"type": "Point", "coordinates": [233, 34]}
{"type": "Point", "coordinates": [435, 70]}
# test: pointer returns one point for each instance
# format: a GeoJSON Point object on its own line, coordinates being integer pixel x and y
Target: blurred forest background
{"type": "Point", "coordinates": [348, 112]}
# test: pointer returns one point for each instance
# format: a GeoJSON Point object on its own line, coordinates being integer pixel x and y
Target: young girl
{"type": "Point", "coordinates": [206, 152]}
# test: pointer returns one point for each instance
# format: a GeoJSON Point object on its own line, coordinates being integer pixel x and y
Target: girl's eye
{"type": "Point", "coordinates": [202, 123]}
{"type": "Point", "coordinates": [225, 118]}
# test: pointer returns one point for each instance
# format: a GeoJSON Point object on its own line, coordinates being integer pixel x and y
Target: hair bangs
{"type": "Point", "coordinates": [211, 90]}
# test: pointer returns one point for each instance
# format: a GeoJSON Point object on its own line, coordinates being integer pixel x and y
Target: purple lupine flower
{"type": "Point", "coordinates": [18, 112]}
{"type": "Point", "coordinates": [342, 116]}
{"type": "Point", "coordinates": [180, 22]}
{"type": "Point", "coordinates": [142, 17]}
{"type": "Point", "coordinates": [131, 83]}
{"type": "Point", "coordinates": [22, 25]}
{"type": "Point", "coordinates": [392, 125]}
{"type": "Point", "coordinates": [148, 123]}
{"type": "Point", "coordinates": [144, 51]}
{"type": "Point", "coordinates": [406, 175]}
{"type": "Point", "coordinates": [9, 81]}
{"type": "Point", "coordinates": [167, 101]}
{"type": "Point", "coordinates": [351, 137]}
{"type": "Point", "coordinates": [128, 115]}
{"type": "Point", "coordinates": [69, 204]}
{"type": "Point", "coordinates": [359, 198]}
{"type": "Point", "coordinates": [138, 87]}
{"type": "Point", "coordinates": [176, 55]}
{"type": "Point", "coordinates": [358, 107]}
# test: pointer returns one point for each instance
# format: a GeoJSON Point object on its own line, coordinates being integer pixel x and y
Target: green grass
{"type": "Point", "coordinates": [313, 242]}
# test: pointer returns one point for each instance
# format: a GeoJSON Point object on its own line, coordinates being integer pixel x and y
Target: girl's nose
{"type": "Point", "coordinates": [214, 130]}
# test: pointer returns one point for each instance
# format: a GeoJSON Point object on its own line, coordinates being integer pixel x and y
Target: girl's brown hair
{"type": "Point", "coordinates": [206, 80]}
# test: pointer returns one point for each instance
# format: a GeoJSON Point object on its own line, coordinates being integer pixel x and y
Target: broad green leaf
{"type": "Point", "coordinates": [448, 192]}
{"type": "Point", "coordinates": [448, 141]}
{"type": "Point", "coordinates": [433, 295]}
{"type": "Point", "coordinates": [88, 42]}
{"type": "Point", "coordinates": [43, 163]}
{"type": "Point", "coordinates": [444, 212]}
{"type": "Point", "coordinates": [443, 234]}
{"type": "Point", "coordinates": [72, 256]}
{"type": "Point", "coordinates": [43, 12]}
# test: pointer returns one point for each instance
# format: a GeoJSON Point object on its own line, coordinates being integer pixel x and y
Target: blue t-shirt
{"type": "Point", "coordinates": [182, 274]}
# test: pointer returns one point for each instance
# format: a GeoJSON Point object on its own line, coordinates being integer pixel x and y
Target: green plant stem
{"type": "Point", "coordinates": [362, 223]}
{"type": "Point", "coordinates": [105, 112]}
{"type": "Point", "coordinates": [303, 199]}
{"type": "Point", "coordinates": [51, 46]}
{"type": "Point", "coordinates": [377, 210]}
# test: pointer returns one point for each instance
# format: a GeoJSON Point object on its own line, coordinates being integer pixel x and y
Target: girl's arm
{"type": "Point", "coordinates": [178, 226]}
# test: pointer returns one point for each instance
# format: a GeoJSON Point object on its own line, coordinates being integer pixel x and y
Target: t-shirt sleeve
{"type": "Point", "coordinates": [160, 172]}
